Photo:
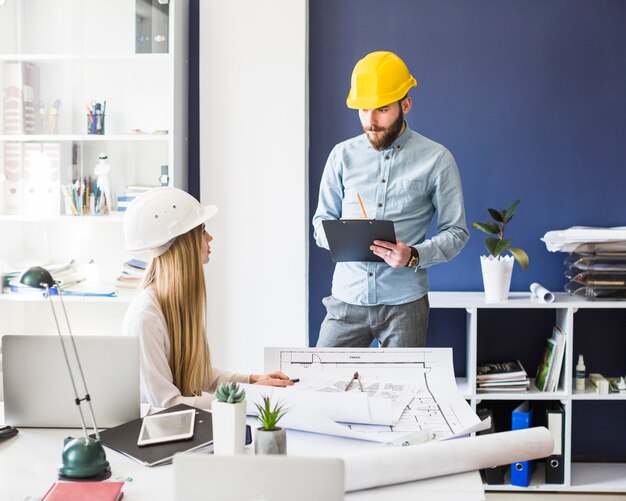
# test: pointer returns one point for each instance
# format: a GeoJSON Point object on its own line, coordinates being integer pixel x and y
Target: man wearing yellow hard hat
{"type": "Point", "coordinates": [398, 175]}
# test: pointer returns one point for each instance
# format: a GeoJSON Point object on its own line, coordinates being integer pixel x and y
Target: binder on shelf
{"type": "Point", "coordinates": [555, 422]}
{"type": "Point", "coordinates": [521, 418]}
{"type": "Point", "coordinates": [495, 474]}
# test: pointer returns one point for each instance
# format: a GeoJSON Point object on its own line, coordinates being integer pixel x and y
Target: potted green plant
{"type": "Point", "coordinates": [270, 439]}
{"type": "Point", "coordinates": [229, 420]}
{"type": "Point", "coordinates": [496, 267]}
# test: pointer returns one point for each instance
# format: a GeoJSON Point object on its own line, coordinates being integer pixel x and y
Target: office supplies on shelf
{"type": "Point", "coordinates": [433, 459]}
{"type": "Point", "coordinates": [350, 239]}
{"type": "Point", "coordinates": [521, 419]}
{"type": "Point", "coordinates": [53, 113]}
{"type": "Point", "coordinates": [599, 383]}
{"type": "Point", "coordinates": [123, 439]}
{"type": "Point", "coordinates": [493, 475]}
{"type": "Point", "coordinates": [581, 373]}
{"type": "Point", "coordinates": [81, 491]}
{"type": "Point", "coordinates": [83, 457]}
{"type": "Point", "coordinates": [555, 422]}
{"type": "Point", "coordinates": [617, 384]}
{"type": "Point", "coordinates": [541, 293]}
{"type": "Point", "coordinates": [96, 117]}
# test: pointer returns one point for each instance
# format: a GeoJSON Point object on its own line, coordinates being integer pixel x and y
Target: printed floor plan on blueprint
{"type": "Point", "coordinates": [403, 391]}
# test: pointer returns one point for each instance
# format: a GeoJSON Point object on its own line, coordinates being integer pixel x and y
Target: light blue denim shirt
{"type": "Point", "coordinates": [406, 184]}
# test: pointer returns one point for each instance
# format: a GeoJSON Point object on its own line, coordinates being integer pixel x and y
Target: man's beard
{"type": "Point", "coordinates": [381, 142]}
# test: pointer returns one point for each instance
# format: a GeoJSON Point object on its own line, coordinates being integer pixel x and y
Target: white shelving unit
{"type": "Point", "coordinates": [579, 477]}
{"type": "Point", "coordinates": [75, 52]}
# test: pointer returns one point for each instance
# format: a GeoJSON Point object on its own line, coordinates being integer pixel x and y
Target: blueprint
{"type": "Point", "coordinates": [435, 406]}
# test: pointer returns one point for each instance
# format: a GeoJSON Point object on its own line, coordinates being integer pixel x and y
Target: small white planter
{"type": "Point", "coordinates": [496, 277]}
{"type": "Point", "coordinates": [229, 428]}
{"type": "Point", "coordinates": [270, 441]}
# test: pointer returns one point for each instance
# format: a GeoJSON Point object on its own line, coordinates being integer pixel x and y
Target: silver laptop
{"type": "Point", "coordinates": [38, 391]}
{"type": "Point", "coordinates": [257, 478]}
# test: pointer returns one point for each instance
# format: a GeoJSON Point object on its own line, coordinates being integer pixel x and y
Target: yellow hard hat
{"type": "Point", "coordinates": [378, 79]}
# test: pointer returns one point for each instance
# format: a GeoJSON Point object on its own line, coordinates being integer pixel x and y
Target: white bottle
{"type": "Point", "coordinates": [580, 373]}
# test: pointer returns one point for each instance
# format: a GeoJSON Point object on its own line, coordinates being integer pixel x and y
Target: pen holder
{"type": "Point", "coordinates": [95, 124]}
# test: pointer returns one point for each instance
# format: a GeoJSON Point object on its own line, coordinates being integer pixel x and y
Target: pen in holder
{"type": "Point", "coordinates": [95, 118]}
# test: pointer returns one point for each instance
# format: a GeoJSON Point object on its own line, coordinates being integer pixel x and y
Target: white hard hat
{"type": "Point", "coordinates": [155, 218]}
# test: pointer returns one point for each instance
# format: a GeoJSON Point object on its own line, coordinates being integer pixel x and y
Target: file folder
{"type": "Point", "coordinates": [555, 421]}
{"type": "Point", "coordinates": [521, 418]}
{"type": "Point", "coordinates": [495, 474]}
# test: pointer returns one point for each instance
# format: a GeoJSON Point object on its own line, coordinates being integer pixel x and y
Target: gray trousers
{"type": "Point", "coordinates": [394, 326]}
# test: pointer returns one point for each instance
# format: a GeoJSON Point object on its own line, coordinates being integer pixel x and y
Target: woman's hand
{"type": "Point", "coordinates": [272, 379]}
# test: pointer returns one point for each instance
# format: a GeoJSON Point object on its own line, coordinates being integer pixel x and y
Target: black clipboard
{"type": "Point", "coordinates": [350, 239]}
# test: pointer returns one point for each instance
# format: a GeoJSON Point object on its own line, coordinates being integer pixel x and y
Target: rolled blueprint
{"type": "Point", "coordinates": [394, 465]}
{"type": "Point", "coordinates": [541, 293]}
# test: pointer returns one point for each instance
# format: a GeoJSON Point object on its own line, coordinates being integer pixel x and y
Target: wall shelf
{"type": "Point", "coordinates": [579, 477]}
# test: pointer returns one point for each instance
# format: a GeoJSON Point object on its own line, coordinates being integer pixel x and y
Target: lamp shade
{"type": "Point", "coordinates": [37, 277]}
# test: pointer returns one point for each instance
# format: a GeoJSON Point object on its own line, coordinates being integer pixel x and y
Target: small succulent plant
{"type": "Point", "coordinates": [230, 393]}
{"type": "Point", "coordinates": [496, 246]}
{"type": "Point", "coordinates": [268, 416]}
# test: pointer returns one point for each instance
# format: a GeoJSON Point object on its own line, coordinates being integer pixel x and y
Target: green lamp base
{"type": "Point", "coordinates": [83, 459]}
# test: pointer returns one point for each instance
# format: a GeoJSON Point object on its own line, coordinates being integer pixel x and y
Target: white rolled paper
{"type": "Point", "coordinates": [394, 465]}
{"type": "Point", "coordinates": [541, 293]}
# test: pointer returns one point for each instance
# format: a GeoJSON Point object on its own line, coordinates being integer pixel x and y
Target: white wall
{"type": "Point", "coordinates": [254, 150]}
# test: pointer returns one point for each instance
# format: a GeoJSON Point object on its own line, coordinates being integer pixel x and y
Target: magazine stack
{"type": "Point", "coordinates": [502, 377]}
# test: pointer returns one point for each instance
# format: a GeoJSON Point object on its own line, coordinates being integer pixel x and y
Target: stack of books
{"type": "Point", "coordinates": [502, 377]}
{"type": "Point", "coordinates": [132, 275]}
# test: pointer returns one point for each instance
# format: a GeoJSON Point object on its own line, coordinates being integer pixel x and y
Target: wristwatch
{"type": "Point", "coordinates": [414, 260]}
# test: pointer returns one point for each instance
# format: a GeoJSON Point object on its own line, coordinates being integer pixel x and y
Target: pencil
{"type": "Point", "coordinates": [361, 204]}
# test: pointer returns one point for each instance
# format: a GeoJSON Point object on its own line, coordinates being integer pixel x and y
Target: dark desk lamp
{"type": "Point", "coordinates": [83, 458]}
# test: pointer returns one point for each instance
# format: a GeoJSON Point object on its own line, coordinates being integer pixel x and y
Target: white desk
{"type": "Point", "coordinates": [28, 464]}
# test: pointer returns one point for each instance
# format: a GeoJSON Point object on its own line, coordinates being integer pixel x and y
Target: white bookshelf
{"type": "Point", "coordinates": [83, 51]}
{"type": "Point", "coordinates": [579, 477]}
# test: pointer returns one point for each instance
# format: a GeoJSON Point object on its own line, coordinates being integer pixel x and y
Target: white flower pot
{"type": "Point", "coordinates": [496, 277]}
{"type": "Point", "coordinates": [229, 428]}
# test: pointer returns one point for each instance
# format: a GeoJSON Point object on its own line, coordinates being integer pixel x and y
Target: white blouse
{"type": "Point", "coordinates": [145, 319]}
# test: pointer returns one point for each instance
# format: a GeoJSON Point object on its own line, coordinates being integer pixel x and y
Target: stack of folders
{"type": "Point", "coordinates": [522, 418]}
{"type": "Point", "coordinates": [502, 377]}
{"type": "Point", "coordinates": [549, 370]}
{"type": "Point", "coordinates": [597, 271]}
{"type": "Point", "coordinates": [67, 274]}
{"type": "Point", "coordinates": [132, 275]}
{"type": "Point", "coordinates": [555, 422]}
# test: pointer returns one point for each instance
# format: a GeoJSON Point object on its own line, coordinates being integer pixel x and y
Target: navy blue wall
{"type": "Point", "coordinates": [528, 96]}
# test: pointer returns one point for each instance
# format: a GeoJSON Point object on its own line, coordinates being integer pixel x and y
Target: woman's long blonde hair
{"type": "Point", "coordinates": [177, 279]}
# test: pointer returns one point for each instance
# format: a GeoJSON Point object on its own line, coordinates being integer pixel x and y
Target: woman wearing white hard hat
{"type": "Point", "coordinates": [166, 226]}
